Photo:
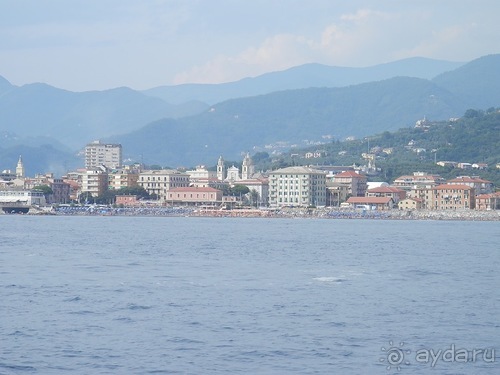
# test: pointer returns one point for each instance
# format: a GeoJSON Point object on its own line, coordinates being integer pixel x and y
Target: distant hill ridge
{"type": "Point", "coordinates": [303, 76]}
{"type": "Point", "coordinates": [152, 129]}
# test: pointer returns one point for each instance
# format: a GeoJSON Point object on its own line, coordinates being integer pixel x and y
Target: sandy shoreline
{"type": "Point", "coordinates": [318, 213]}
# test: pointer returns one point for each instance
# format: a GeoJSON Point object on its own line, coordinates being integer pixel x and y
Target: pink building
{"type": "Point", "coordinates": [128, 200]}
{"type": "Point", "coordinates": [487, 202]}
{"type": "Point", "coordinates": [194, 195]}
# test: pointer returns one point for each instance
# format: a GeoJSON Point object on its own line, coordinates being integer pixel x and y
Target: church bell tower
{"type": "Point", "coordinates": [20, 173]}
{"type": "Point", "coordinates": [221, 170]}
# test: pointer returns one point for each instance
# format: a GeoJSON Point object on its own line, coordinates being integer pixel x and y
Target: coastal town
{"type": "Point", "coordinates": [230, 188]}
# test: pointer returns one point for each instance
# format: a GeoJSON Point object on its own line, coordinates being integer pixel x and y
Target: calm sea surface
{"type": "Point", "coordinates": [146, 295]}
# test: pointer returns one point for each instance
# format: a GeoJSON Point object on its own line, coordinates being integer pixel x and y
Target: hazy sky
{"type": "Point", "coordinates": [99, 44]}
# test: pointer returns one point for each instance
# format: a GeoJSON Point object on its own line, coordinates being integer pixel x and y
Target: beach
{"type": "Point", "coordinates": [312, 213]}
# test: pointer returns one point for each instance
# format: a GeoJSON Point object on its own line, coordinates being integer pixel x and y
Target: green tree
{"type": "Point", "coordinates": [260, 156]}
{"type": "Point", "coordinates": [134, 190]}
{"type": "Point", "coordinates": [239, 190]}
{"type": "Point", "coordinates": [45, 189]}
{"type": "Point", "coordinates": [472, 113]}
{"type": "Point", "coordinates": [108, 197]}
{"type": "Point", "coordinates": [86, 197]}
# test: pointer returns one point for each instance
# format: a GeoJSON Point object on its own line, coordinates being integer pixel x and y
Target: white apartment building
{"type": "Point", "coordinates": [159, 182]}
{"type": "Point", "coordinates": [94, 181]}
{"type": "Point", "coordinates": [107, 154]}
{"type": "Point", "coordinates": [297, 186]}
{"type": "Point", "coordinates": [22, 197]}
{"type": "Point", "coordinates": [201, 173]}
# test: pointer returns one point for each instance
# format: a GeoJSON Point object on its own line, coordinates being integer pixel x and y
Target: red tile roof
{"type": "Point", "coordinates": [469, 179]}
{"type": "Point", "coordinates": [487, 196]}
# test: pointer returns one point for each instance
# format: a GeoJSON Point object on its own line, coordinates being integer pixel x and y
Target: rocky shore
{"type": "Point", "coordinates": [319, 213]}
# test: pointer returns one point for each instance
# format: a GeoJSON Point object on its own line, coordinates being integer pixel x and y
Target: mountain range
{"type": "Point", "coordinates": [303, 76]}
{"type": "Point", "coordinates": [190, 124]}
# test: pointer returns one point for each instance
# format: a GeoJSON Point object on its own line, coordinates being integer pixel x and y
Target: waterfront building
{"type": "Point", "coordinates": [480, 186]}
{"type": "Point", "coordinates": [122, 178]}
{"type": "Point", "coordinates": [422, 193]}
{"type": "Point", "coordinates": [103, 154]}
{"type": "Point", "coordinates": [94, 181]}
{"type": "Point", "coordinates": [74, 180]}
{"type": "Point", "coordinates": [201, 174]}
{"type": "Point", "coordinates": [371, 203]}
{"type": "Point", "coordinates": [488, 202]}
{"type": "Point", "coordinates": [260, 187]}
{"type": "Point", "coordinates": [60, 189]}
{"type": "Point", "coordinates": [410, 204]}
{"type": "Point", "coordinates": [453, 197]}
{"type": "Point", "coordinates": [418, 180]}
{"type": "Point", "coordinates": [159, 182]}
{"type": "Point", "coordinates": [297, 186]}
{"type": "Point", "coordinates": [19, 198]}
{"type": "Point", "coordinates": [194, 195]}
{"type": "Point", "coordinates": [350, 182]}
{"type": "Point", "coordinates": [336, 194]}
{"type": "Point", "coordinates": [387, 191]}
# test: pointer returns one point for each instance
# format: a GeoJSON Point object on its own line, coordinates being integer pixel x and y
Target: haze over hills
{"type": "Point", "coordinates": [477, 82]}
{"type": "Point", "coordinates": [304, 76]}
{"type": "Point", "coordinates": [247, 124]}
{"type": "Point", "coordinates": [74, 118]}
{"type": "Point", "coordinates": [44, 113]}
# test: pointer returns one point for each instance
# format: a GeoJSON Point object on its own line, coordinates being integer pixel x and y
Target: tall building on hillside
{"type": "Point", "coordinates": [103, 154]}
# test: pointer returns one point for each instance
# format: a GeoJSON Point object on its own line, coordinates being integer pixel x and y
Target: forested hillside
{"type": "Point", "coordinates": [474, 138]}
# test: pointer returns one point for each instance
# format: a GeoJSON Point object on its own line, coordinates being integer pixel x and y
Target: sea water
{"type": "Point", "coordinates": [182, 295]}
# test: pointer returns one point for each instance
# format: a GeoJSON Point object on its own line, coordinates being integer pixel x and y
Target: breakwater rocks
{"type": "Point", "coordinates": [321, 213]}
{"type": "Point", "coordinates": [329, 213]}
